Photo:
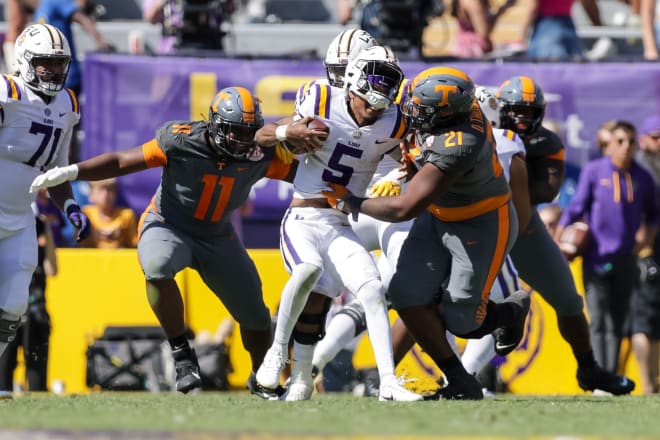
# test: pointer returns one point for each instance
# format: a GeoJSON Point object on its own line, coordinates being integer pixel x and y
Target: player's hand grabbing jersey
{"type": "Point", "coordinates": [199, 189]}
{"type": "Point", "coordinates": [351, 153]}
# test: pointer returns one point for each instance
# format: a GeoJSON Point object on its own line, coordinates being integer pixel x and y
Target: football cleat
{"type": "Point", "coordinates": [507, 338]}
{"type": "Point", "coordinates": [268, 375]}
{"type": "Point", "coordinates": [595, 378]}
{"type": "Point", "coordinates": [262, 392]}
{"type": "Point", "coordinates": [6, 395]}
{"type": "Point", "coordinates": [298, 391]}
{"type": "Point", "coordinates": [187, 370]}
{"type": "Point", "coordinates": [393, 390]}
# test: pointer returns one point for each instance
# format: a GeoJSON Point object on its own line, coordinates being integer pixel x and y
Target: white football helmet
{"type": "Point", "coordinates": [43, 44]}
{"type": "Point", "coordinates": [343, 49]}
{"type": "Point", "coordinates": [375, 76]}
{"type": "Point", "coordinates": [489, 104]}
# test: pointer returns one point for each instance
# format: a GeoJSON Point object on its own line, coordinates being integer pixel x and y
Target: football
{"type": "Point", "coordinates": [317, 124]}
{"type": "Point", "coordinates": [574, 240]}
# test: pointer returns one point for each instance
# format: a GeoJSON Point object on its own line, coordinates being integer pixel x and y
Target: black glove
{"type": "Point", "coordinates": [649, 270]}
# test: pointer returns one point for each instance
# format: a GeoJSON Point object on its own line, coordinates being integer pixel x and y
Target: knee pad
{"type": "Point", "coordinates": [9, 324]}
{"type": "Point", "coordinates": [315, 319]}
{"type": "Point", "coordinates": [355, 311]}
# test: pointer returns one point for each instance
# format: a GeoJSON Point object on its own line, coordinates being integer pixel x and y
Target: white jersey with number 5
{"type": "Point", "coordinates": [34, 136]}
{"type": "Point", "coordinates": [351, 154]}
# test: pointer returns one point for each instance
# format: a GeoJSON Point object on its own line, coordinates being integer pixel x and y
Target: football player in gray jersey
{"type": "Point", "coordinates": [539, 261]}
{"type": "Point", "coordinates": [465, 225]}
{"type": "Point", "coordinates": [208, 170]}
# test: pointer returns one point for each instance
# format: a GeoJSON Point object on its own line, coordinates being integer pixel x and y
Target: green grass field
{"type": "Point", "coordinates": [238, 415]}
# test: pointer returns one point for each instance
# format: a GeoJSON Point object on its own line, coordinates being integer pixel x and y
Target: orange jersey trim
{"type": "Point", "coordinates": [560, 155]}
{"type": "Point", "coordinates": [153, 155]}
{"type": "Point", "coordinates": [500, 249]}
{"type": "Point", "coordinates": [151, 206]}
{"type": "Point", "coordinates": [278, 169]}
{"type": "Point", "coordinates": [469, 211]}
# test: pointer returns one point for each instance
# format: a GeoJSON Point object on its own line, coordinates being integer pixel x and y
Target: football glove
{"type": "Point", "coordinates": [78, 220]}
{"type": "Point", "coordinates": [54, 177]}
{"type": "Point", "coordinates": [283, 153]}
{"type": "Point", "coordinates": [384, 188]}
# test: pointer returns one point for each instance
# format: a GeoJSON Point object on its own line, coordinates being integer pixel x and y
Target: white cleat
{"type": "Point", "coordinates": [299, 391]}
{"type": "Point", "coordinates": [268, 375]}
{"type": "Point", "coordinates": [393, 390]}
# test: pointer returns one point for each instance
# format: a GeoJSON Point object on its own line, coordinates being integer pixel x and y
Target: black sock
{"type": "Point", "coordinates": [452, 367]}
{"type": "Point", "coordinates": [586, 360]}
{"type": "Point", "coordinates": [497, 315]}
{"type": "Point", "coordinates": [179, 342]}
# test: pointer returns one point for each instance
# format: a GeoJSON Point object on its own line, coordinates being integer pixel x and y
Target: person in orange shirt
{"type": "Point", "coordinates": [113, 226]}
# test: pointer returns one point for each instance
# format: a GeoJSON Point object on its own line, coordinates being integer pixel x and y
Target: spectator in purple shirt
{"type": "Point", "coordinates": [645, 305]}
{"type": "Point", "coordinates": [615, 196]}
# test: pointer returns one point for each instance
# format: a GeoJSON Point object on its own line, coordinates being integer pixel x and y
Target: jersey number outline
{"type": "Point", "coordinates": [47, 132]}
{"type": "Point", "coordinates": [210, 182]}
{"type": "Point", "coordinates": [346, 172]}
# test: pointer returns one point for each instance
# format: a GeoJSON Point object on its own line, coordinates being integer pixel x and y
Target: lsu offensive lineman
{"type": "Point", "coordinates": [317, 240]}
{"type": "Point", "coordinates": [37, 116]}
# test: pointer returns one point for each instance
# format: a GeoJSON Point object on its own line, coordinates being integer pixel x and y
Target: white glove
{"type": "Point", "coordinates": [54, 177]}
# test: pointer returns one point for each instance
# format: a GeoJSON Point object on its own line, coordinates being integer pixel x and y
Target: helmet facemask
{"type": "Point", "coordinates": [523, 119]}
{"type": "Point", "coordinates": [378, 83]}
{"type": "Point", "coordinates": [233, 139]}
{"type": "Point", "coordinates": [47, 73]}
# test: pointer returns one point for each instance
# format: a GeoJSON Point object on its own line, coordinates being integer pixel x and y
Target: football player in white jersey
{"type": "Point", "coordinates": [315, 240]}
{"type": "Point", "coordinates": [37, 116]}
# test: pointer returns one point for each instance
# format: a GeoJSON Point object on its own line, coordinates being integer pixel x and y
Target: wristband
{"type": "Point", "coordinates": [68, 203]}
{"type": "Point", "coordinates": [280, 132]}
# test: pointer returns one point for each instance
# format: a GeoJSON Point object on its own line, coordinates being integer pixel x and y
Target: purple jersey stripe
{"type": "Point", "coordinates": [288, 251]}
{"type": "Point", "coordinates": [513, 272]}
{"type": "Point", "coordinates": [317, 98]}
{"type": "Point", "coordinates": [504, 287]}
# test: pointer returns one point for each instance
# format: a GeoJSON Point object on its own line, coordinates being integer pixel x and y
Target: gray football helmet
{"type": "Point", "coordinates": [234, 118]}
{"type": "Point", "coordinates": [523, 105]}
{"type": "Point", "coordinates": [439, 97]}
